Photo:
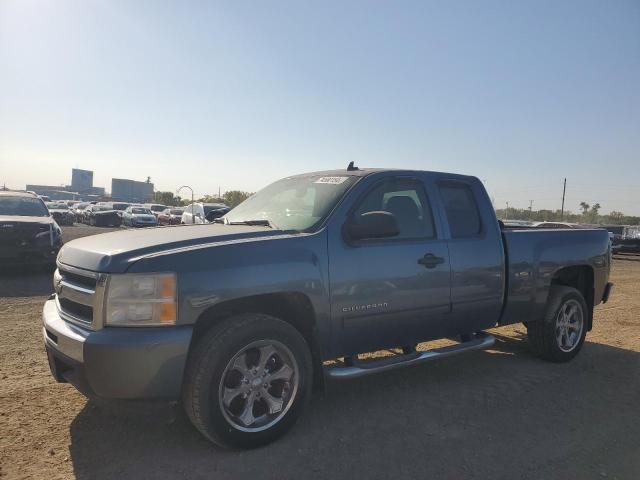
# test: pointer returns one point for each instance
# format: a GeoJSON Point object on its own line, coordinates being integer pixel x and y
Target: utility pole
{"type": "Point", "coordinates": [506, 215]}
{"type": "Point", "coordinates": [564, 189]}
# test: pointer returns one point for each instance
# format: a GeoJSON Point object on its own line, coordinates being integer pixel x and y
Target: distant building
{"type": "Point", "coordinates": [93, 191]}
{"type": "Point", "coordinates": [81, 180]}
{"type": "Point", "coordinates": [81, 188]}
{"type": "Point", "coordinates": [54, 192]}
{"type": "Point", "coordinates": [131, 191]}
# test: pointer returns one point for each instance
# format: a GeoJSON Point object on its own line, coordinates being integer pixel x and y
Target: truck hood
{"type": "Point", "coordinates": [17, 219]}
{"type": "Point", "coordinates": [114, 252]}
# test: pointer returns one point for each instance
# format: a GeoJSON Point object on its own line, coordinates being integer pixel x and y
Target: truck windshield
{"type": "Point", "coordinates": [23, 206]}
{"type": "Point", "coordinates": [296, 203]}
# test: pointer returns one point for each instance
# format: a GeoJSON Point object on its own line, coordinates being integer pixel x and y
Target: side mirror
{"type": "Point", "coordinates": [373, 225]}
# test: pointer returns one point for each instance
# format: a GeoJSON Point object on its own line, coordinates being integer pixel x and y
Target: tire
{"type": "Point", "coordinates": [214, 374]}
{"type": "Point", "coordinates": [555, 338]}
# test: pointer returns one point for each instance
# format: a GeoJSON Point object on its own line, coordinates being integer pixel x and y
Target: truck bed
{"type": "Point", "coordinates": [535, 258]}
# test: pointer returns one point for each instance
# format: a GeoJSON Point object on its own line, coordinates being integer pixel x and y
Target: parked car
{"type": "Point", "coordinates": [199, 213]}
{"type": "Point", "coordinates": [28, 233]}
{"type": "Point", "coordinates": [170, 216]}
{"type": "Point", "coordinates": [156, 208]}
{"type": "Point", "coordinates": [78, 209]}
{"type": "Point", "coordinates": [61, 213]}
{"type": "Point", "coordinates": [139, 216]}
{"type": "Point", "coordinates": [626, 238]}
{"type": "Point", "coordinates": [237, 319]}
{"type": "Point", "coordinates": [555, 225]}
{"type": "Point", "coordinates": [518, 223]}
{"type": "Point", "coordinates": [102, 215]}
{"type": "Point", "coordinates": [118, 206]}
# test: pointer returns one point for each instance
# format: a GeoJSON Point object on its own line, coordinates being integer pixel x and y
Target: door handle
{"type": "Point", "coordinates": [430, 260]}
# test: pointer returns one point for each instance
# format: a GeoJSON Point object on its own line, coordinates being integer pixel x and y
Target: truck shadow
{"type": "Point", "coordinates": [486, 414]}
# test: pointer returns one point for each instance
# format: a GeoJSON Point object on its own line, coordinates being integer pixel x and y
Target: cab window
{"type": "Point", "coordinates": [461, 209]}
{"type": "Point", "coordinates": [406, 200]}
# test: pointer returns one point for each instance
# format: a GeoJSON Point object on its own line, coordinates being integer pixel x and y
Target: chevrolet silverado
{"type": "Point", "coordinates": [240, 318]}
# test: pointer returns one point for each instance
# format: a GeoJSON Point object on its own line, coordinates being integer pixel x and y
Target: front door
{"type": "Point", "coordinates": [394, 291]}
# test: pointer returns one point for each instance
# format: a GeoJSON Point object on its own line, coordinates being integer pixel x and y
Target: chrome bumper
{"type": "Point", "coordinates": [61, 336]}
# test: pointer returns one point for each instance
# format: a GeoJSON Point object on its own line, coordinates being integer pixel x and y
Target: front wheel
{"type": "Point", "coordinates": [560, 335]}
{"type": "Point", "coordinates": [247, 381]}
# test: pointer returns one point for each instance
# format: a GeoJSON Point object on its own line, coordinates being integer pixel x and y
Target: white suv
{"type": "Point", "coordinates": [203, 212]}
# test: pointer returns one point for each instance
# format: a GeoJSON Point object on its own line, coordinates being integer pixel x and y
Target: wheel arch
{"type": "Point", "coordinates": [292, 307]}
{"type": "Point", "coordinates": [580, 277]}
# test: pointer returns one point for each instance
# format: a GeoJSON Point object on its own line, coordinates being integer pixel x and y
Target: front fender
{"type": "Point", "coordinates": [211, 274]}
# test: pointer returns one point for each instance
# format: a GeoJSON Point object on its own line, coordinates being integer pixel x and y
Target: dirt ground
{"type": "Point", "coordinates": [499, 414]}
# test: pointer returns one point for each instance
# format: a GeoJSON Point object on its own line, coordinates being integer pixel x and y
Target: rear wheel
{"type": "Point", "coordinates": [247, 381]}
{"type": "Point", "coordinates": [560, 335]}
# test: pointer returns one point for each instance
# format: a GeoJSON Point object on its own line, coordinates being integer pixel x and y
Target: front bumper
{"type": "Point", "coordinates": [138, 223]}
{"type": "Point", "coordinates": [116, 363]}
{"type": "Point", "coordinates": [107, 221]}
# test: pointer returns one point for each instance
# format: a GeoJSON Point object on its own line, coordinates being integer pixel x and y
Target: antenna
{"type": "Point", "coordinates": [352, 167]}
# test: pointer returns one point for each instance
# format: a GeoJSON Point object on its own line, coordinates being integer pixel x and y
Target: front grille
{"type": "Point", "coordinates": [88, 282]}
{"type": "Point", "coordinates": [22, 233]}
{"type": "Point", "coordinates": [76, 295]}
{"type": "Point", "coordinates": [76, 309]}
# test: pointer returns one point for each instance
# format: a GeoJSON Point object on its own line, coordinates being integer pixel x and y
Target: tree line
{"type": "Point", "coordinates": [231, 198]}
{"type": "Point", "coordinates": [589, 214]}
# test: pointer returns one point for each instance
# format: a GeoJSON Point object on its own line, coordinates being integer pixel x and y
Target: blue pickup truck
{"type": "Point", "coordinates": [241, 318]}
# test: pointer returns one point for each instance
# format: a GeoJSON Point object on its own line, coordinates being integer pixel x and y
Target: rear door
{"type": "Point", "coordinates": [393, 291]}
{"type": "Point", "coordinates": [476, 254]}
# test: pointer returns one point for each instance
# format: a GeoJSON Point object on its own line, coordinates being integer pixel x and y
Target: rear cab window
{"type": "Point", "coordinates": [461, 209]}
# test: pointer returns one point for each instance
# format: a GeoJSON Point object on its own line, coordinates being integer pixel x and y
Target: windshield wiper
{"type": "Point", "coordinates": [263, 222]}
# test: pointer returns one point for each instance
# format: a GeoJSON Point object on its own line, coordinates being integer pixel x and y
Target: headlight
{"type": "Point", "coordinates": [141, 300]}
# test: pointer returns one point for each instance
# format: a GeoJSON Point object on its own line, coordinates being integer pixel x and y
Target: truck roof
{"type": "Point", "coordinates": [363, 172]}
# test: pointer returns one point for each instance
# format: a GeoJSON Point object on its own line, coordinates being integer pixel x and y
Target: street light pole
{"type": "Point", "coordinates": [192, 205]}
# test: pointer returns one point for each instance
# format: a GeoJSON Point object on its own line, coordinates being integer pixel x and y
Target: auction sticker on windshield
{"type": "Point", "coordinates": [332, 180]}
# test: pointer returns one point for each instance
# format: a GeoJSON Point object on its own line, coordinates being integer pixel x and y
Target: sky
{"type": "Point", "coordinates": [234, 95]}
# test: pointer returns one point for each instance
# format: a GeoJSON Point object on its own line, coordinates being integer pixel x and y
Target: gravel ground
{"type": "Point", "coordinates": [499, 413]}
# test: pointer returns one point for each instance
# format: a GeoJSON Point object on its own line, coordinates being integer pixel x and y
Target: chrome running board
{"type": "Point", "coordinates": [359, 368]}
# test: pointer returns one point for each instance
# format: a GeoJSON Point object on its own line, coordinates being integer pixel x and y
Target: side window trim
{"type": "Point", "coordinates": [459, 183]}
{"type": "Point", "coordinates": [421, 184]}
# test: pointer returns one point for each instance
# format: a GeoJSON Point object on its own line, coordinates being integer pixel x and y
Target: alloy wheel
{"type": "Point", "coordinates": [258, 386]}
